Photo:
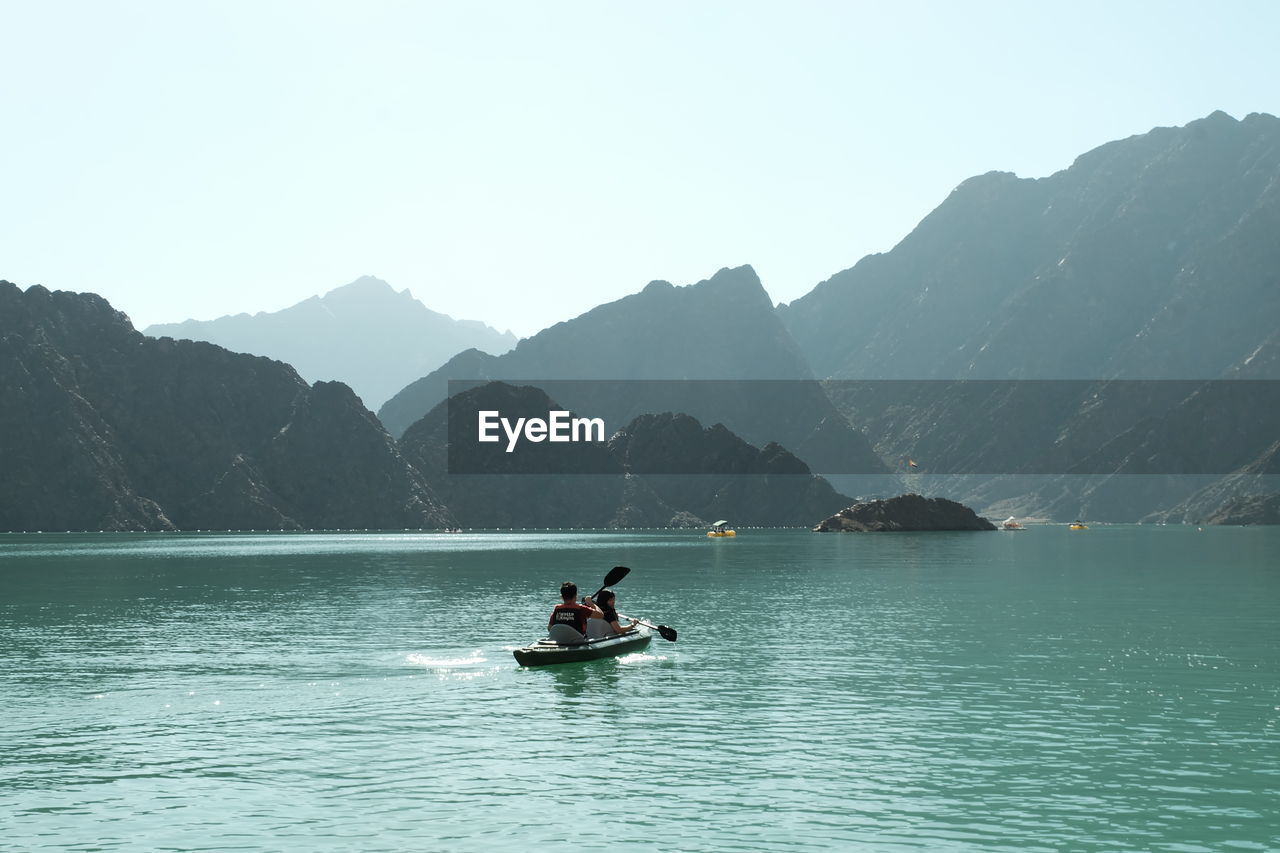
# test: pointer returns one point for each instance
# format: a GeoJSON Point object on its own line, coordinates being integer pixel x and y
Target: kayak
{"type": "Point", "coordinates": [548, 651]}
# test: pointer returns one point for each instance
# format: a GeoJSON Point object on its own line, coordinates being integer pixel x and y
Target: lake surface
{"type": "Point", "coordinates": [1112, 689]}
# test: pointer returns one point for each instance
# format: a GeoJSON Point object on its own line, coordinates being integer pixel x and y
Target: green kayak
{"type": "Point", "coordinates": [548, 651]}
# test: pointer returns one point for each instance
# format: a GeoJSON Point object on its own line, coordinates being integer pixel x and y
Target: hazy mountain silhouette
{"type": "Point", "coordinates": [365, 334]}
{"type": "Point", "coordinates": [105, 428]}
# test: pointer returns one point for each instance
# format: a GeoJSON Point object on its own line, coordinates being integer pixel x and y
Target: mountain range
{"type": "Point", "coordinates": [365, 334]}
{"type": "Point", "coordinates": [1150, 258]}
{"type": "Point", "coordinates": [714, 350]}
{"type": "Point", "coordinates": [1101, 342]}
{"type": "Point", "coordinates": [104, 428]}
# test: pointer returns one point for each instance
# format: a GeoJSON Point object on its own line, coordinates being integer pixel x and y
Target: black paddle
{"type": "Point", "coordinates": [668, 634]}
{"type": "Point", "coordinates": [616, 574]}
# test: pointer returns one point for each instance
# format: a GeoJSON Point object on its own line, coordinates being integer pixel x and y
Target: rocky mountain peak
{"type": "Point", "coordinates": [364, 287]}
{"type": "Point", "coordinates": [365, 333]}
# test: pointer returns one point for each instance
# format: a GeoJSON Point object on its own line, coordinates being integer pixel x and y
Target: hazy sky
{"type": "Point", "coordinates": [522, 162]}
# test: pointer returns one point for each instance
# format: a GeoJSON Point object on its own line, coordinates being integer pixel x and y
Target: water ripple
{"type": "Point", "coordinates": [235, 693]}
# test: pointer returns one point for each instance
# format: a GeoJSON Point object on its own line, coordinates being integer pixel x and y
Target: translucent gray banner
{"type": "Point", "coordinates": [942, 427]}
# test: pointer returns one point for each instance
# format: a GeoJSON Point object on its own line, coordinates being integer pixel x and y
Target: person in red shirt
{"type": "Point", "coordinates": [570, 613]}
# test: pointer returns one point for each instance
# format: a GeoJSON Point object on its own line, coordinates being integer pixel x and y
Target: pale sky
{"type": "Point", "coordinates": [521, 162]}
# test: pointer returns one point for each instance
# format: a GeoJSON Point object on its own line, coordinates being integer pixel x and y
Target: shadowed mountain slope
{"type": "Point", "coordinates": [1154, 258]}
{"type": "Point", "coordinates": [106, 428]}
{"type": "Point", "coordinates": [661, 470]}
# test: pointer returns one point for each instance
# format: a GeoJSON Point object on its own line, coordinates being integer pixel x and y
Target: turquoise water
{"type": "Point", "coordinates": [1114, 689]}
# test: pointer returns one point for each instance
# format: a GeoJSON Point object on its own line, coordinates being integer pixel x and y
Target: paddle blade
{"type": "Point", "coordinates": [667, 633]}
{"type": "Point", "coordinates": [616, 574]}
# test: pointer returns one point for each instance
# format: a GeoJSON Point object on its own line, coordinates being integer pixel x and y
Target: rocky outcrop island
{"type": "Point", "coordinates": [905, 512]}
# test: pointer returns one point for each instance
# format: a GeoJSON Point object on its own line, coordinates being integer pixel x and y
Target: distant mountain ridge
{"type": "Point", "coordinates": [700, 331]}
{"type": "Point", "coordinates": [365, 334]}
{"type": "Point", "coordinates": [713, 350]}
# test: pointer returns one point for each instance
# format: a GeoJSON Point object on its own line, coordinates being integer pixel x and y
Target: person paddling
{"type": "Point", "coordinates": [570, 613]}
{"type": "Point", "coordinates": [610, 615]}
